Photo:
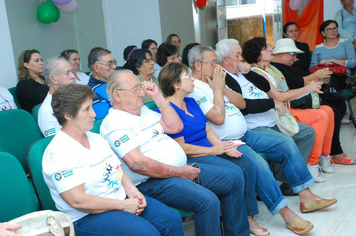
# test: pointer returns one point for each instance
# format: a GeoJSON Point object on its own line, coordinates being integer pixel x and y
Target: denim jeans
{"type": "Point", "coordinates": [225, 183]}
{"type": "Point", "coordinates": [156, 219]}
{"type": "Point", "coordinates": [262, 182]}
{"type": "Point", "coordinates": [284, 151]}
{"type": "Point", "coordinates": [304, 141]}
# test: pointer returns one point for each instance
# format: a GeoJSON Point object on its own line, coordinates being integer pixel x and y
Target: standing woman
{"type": "Point", "coordinates": [86, 179]}
{"type": "Point", "coordinates": [72, 56]}
{"type": "Point", "coordinates": [346, 19]}
{"type": "Point", "coordinates": [290, 30]}
{"type": "Point", "coordinates": [31, 88]}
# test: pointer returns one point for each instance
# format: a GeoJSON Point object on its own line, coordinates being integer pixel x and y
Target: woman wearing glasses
{"type": "Point", "coordinates": [143, 64]}
{"type": "Point", "coordinates": [72, 56]}
{"type": "Point", "coordinates": [334, 50]}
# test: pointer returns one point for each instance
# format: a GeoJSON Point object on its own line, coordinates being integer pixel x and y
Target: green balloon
{"type": "Point", "coordinates": [58, 14]}
{"type": "Point", "coordinates": [46, 13]}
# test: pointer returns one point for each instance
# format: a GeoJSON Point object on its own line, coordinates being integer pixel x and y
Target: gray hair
{"type": "Point", "coordinates": [113, 82]}
{"type": "Point", "coordinates": [224, 47]}
{"type": "Point", "coordinates": [197, 54]}
{"type": "Point", "coordinates": [95, 55]}
{"type": "Point", "coordinates": [51, 67]}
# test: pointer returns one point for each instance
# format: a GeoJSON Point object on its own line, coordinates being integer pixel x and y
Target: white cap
{"type": "Point", "coordinates": [285, 45]}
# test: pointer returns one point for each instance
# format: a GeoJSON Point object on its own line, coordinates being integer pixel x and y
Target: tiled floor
{"type": "Point", "coordinates": [337, 220]}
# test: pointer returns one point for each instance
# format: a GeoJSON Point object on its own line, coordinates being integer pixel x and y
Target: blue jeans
{"type": "Point", "coordinates": [282, 150]}
{"type": "Point", "coordinates": [156, 219]}
{"type": "Point", "coordinates": [225, 183]}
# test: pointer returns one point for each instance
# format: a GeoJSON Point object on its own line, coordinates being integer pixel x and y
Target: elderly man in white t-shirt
{"type": "Point", "coordinates": [57, 72]}
{"type": "Point", "coordinates": [157, 164]}
{"type": "Point", "coordinates": [221, 107]}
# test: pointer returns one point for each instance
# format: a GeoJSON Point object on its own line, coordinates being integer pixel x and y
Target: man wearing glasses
{"type": "Point", "coordinates": [101, 63]}
{"type": "Point", "coordinates": [157, 164]}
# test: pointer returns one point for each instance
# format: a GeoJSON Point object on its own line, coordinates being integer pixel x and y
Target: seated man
{"type": "Point", "coordinates": [157, 164]}
{"type": "Point", "coordinates": [259, 111]}
{"type": "Point", "coordinates": [57, 72]}
{"type": "Point", "coordinates": [227, 121]}
{"type": "Point", "coordinates": [101, 63]}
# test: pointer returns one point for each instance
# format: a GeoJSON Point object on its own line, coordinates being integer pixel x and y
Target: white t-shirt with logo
{"type": "Point", "coordinates": [47, 122]}
{"type": "Point", "coordinates": [250, 91]}
{"type": "Point", "coordinates": [125, 131]}
{"type": "Point", "coordinates": [67, 164]}
{"type": "Point", "coordinates": [6, 100]}
{"type": "Point", "coordinates": [234, 126]}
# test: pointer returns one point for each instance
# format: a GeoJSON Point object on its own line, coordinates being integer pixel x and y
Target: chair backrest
{"type": "Point", "coordinates": [16, 192]}
{"type": "Point", "coordinates": [151, 105]}
{"type": "Point", "coordinates": [14, 94]}
{"type": "Point", "coordinates": [18, 131]}
{"type": "Point", "coordinates": [96, 128]}
{"type": "Point", "coordinates": [34, 160]}
{"type": "Point", "coordinates": [35, 110]}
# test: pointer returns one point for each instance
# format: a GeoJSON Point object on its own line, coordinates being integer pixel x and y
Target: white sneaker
{"type": "Point", "coordinates": [325, 164]}
{"type": "Point", "coordinates": [345, 120]}
{"type": "Point", "coordinates": [315, 172]}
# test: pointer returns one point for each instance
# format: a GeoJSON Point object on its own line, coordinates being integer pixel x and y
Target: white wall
{"type": "Point", "coordinates": [7, 61]}
{"type": "Point", "coordinates": [330, 9]}
{"type": "Point", "coordinates": [129, 23]}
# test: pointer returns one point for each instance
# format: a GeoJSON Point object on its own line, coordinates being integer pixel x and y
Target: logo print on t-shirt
{"type": "Point", "coordinates": [254, 92]}
{"type": "Point", "coordinates": [122, 139]}
{"type": "Point", "coordinates": [58, 176]}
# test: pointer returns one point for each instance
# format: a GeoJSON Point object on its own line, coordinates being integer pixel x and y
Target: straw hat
{"type": "Point", "coordinates": [285, 45]}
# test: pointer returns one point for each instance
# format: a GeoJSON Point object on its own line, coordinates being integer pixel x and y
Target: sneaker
{"type": "Point", "coordinates": [325, 164]}
{"type": "Point", "coordinates": [315, 172]}
{"type": "Point", "coordinates": [345, 120]}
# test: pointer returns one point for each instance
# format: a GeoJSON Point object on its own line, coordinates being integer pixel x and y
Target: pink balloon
{"type": "Point", "coordinates": [61, 2]}
{"type": "Point", "coordinates": [70, 7]}
{"type": "Point", "coordinates": [295, 4]}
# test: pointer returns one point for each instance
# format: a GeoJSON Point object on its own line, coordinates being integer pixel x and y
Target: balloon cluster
{"type": "Point", "coordinates": [295, 4]}
{"type": "Point", "coordinates": [49, 12]}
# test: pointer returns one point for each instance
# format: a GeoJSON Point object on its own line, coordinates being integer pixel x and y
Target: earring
{"type": "Point", "coordinates": [177, 88]}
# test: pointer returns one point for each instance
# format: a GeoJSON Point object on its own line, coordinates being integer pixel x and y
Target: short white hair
{"type": "Point", "coordinates": [224, 47]}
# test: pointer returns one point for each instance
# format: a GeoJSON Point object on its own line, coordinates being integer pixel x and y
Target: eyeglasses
{"type": "Point", "coordinates": [185, 77]}
{"type": "Point", "coordinates": [331, 29]}
{"type": "Point", "coordinates": [210, 63]}
{"type": "Point", "coordinates": [137, 87]}
{"type": "Point", "coordinates": [197, 179]}
{"type": "Point", "coordinates": [267, 46]}
{"type": "Point", "coordinates": [109, 63]}
{"type": "Point", "coordinates": [148, 60]}
{"type": "Point", "coordinates": [292, 53]}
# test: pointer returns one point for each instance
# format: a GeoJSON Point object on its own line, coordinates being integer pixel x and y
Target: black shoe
{"type": "Point", "coordinates": [287, 190]}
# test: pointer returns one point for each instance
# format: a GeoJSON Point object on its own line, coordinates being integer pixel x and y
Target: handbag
{"type": "Point", "coordinates": [286, 123]}
{"type": "Point", "coordinates": [309, 101]}
{"type": "Point", "coordinates": [351, 83]}
{"type": "Point", "coordinates": [330, 93]}
{"type": "Point", "coordinates": [338, 70]}
{"type": "Point", "coordinates": [44, 223]}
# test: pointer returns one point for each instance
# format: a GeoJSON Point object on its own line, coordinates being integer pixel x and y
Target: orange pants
{"type": "Point", "coordinates": [322, 121]}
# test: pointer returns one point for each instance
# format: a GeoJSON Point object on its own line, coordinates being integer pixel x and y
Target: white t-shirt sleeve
{"type": "Point", "coordinates": [122, 141]}
{"type": "Point", "coordinates": [203, 99]}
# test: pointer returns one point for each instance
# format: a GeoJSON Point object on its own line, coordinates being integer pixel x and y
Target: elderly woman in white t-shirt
{"type": "Point", "coordinates": [86, 179]}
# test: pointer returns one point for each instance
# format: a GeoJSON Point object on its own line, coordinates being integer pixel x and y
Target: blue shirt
{"type": "Point", "coordinates": [347, 23]}
{"type": "Point", "coordinates": [101, 103]}
{"type": "Point", "coordinates": [194, 130]}
{"type": "Point", "coordinates": [344, 50]}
